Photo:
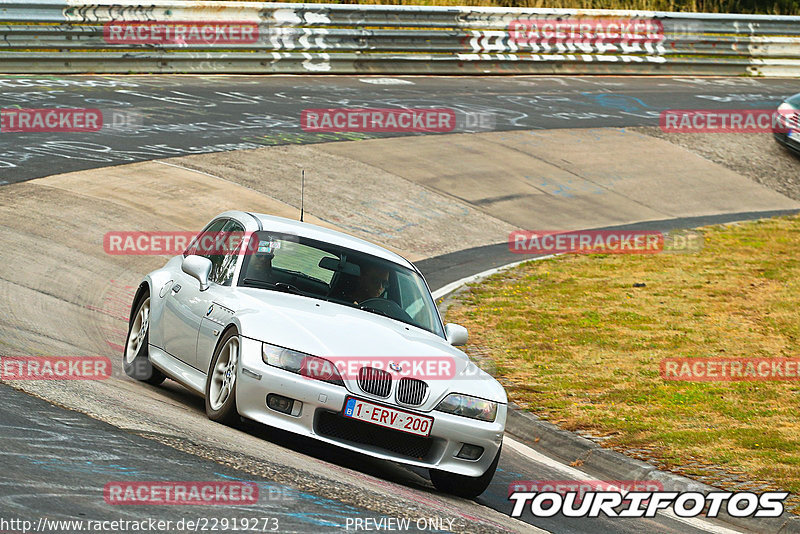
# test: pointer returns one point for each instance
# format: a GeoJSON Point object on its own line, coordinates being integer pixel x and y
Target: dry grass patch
{"type": "Point", "coordinates": [576, 343]}
{"type": "Point", "coordinates": [776, 7]}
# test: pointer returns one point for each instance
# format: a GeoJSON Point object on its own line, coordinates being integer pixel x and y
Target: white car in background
{"type": "Point", "coordinates": [789, 111]}
{"type": "Point", "coordinates": [321, 334]}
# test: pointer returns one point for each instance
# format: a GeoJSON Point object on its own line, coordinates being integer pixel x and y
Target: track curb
{"type": "Point", "coordinates": [608, 464]}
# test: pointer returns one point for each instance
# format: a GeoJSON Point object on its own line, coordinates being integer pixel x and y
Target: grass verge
{"type": "Point", "coordinates": [575, 342]}
{"type": "Point", "coordinates": [772, 7]}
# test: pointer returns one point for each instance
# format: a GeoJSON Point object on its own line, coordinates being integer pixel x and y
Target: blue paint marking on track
{"type": "Point", "coordinates": [630, 104]}
{"type": "Point", "coordinates": [336, 516]}
{"type": "Point", "coordinates": [85, 467]}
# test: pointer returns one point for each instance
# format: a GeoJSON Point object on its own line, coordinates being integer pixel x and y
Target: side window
{"type": "Point", "coordinates": [412, 302]}
{"type": "Point", "coordinates": [223, 265]}
{"type": "Point", "coordinates": [213, 228]}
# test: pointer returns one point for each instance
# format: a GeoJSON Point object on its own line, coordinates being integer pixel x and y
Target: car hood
{"type": "Point", "coordinates": [346, 334]}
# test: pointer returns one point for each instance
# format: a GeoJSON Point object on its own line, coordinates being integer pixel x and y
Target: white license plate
{"type": "Point", "coordinates": [794, 135]}
{"type": "Point", "coordinates": [419, 425]}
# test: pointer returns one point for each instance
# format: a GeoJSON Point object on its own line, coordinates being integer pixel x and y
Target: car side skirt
{"type": "Point", "coordinates": [177, 370]}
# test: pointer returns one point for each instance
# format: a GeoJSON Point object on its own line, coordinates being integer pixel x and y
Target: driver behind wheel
{"type": "Point", "coordinates": [371, 284]}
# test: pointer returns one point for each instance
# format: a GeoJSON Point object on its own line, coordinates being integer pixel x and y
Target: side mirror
{"type": "Point", "coordinates": [198, 268]}
{"type": "Point", "coordinates": [456, 334]}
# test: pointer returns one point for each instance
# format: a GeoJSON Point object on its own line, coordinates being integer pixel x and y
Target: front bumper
{"type": "Point", "coordinates": [319, 418]}
{"type": "Point", "coordinates": [791, 144]}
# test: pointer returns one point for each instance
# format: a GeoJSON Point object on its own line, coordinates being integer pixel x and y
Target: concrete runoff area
{"type": "Point", "coordinates": [754, 155]}
{"type": "Point", "coordinates": [68, 297]}
{"type": "Point", "coordinates": [569, 179]}
{"type": "Point", "coordinates": [373, 203]}
{"type": "Point", "coordinates": [459, 191]}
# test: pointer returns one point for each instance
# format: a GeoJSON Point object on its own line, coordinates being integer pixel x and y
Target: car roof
{"type": "Point", "coordinates": [326, 235]}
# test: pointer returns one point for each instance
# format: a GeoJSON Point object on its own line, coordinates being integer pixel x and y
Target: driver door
{"type": "Point", "coordinates": [185, 305]}
{"type": "Point", "coordinates": [215, 316]}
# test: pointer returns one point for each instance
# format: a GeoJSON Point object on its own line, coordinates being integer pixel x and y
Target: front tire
{"type": "Point", "coordinates": [221, 381]}
{"type": "Point", "coordinates": [462, 485]}
{"type": "Point", "coordinates": [135, 358]}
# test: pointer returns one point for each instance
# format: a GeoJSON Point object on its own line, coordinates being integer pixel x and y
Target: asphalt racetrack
{"type": "Point", "coordinates": [527, 152]}
{"type": "Point", "coordinates": [166, 116]}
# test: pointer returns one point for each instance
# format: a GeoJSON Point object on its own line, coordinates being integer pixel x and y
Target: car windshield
{"type": "Point", "coordinates": [292, 264]}
{"type": "Point", "coordinates": [794, 101]}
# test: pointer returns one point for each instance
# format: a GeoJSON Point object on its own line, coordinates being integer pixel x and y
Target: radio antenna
{"type": "Point", "coordinates": [302, 191]}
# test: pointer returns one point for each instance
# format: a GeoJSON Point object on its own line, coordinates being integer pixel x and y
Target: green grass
{"type": "Point", "coordinates": [576, 343]}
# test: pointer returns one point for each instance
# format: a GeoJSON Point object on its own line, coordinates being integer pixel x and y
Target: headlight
{"type": "Point", "coordinates": [467, 406]}
{"type": "Point", "coordinates": [785, 112]}
{"type": "Point", "coordinates": [301, 363]}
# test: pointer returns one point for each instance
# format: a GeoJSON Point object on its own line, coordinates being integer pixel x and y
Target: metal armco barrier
{"type": "Point", "coordinates": [46, 36]}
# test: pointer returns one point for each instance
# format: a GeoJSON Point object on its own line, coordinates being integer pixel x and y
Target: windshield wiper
{"type": "Point", "coordinates": [278, 286]}
{"type": "Point", "coordinates": [376, 311]}
{"type": "Point", "coordinates": [304, 275]}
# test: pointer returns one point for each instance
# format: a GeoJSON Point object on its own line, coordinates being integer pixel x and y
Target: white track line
{"type": "Point", "coordinates": [185, 168]}
{"type": "Point", "coordinates": [480, 276]}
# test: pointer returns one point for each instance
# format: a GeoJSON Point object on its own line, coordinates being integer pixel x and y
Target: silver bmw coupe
{"type": "Point", "coordinates": [321, 334]}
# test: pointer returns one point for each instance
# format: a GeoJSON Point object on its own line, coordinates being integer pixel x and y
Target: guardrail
{"type": "Point", "coordinates": [71, 36]}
